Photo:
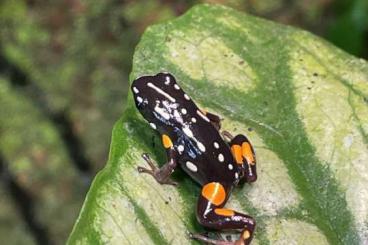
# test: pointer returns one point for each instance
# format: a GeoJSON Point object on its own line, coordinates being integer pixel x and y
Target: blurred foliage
{"type": "Point", "coordinates": [72, 58]}
{"type": "Point", "coordinates": [11, 224]}
{"type": "Point", "coordinates": [350, 29]}
{"type": "Point", "coordinates": [39, 162]}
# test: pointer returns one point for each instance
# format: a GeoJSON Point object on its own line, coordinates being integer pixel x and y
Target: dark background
{"type": "Point", "coordinates": [64, 69]}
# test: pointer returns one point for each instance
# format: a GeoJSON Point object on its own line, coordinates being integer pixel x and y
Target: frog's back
{"type": "Point", "coordinates": [206, 157]}
{"type": "Point", "coordinates": [202, 153]}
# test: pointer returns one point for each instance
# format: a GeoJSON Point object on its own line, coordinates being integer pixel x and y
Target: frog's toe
{"type": "Point", "coordinates": [157, 175]}
{"type": "Point", "coordinates": [204, 238]}
{"type": "Point", "coordinates": [144, 170]}
{"type": "Point", "coordinates": [166, 182]}
{"type": "Point", "coordinates": [227, 135]}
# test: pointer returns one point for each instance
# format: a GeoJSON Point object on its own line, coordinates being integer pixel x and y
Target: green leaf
{"type": "Point", "coordinates": [306, 103]}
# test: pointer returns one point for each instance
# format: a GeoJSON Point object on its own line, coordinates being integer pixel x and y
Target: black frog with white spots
{"type": "Point", "coordinates": [193, 140]}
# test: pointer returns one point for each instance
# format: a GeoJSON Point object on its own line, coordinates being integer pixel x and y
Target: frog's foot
{"type": "Point", "coordinates": [244, 155]}
{"type": "Point", "coordinates": [207, 240]}
{"type": "Point", "coordinates": [161, 175]}
{"type": "Point", "coordinates": [227, 135]}
{"type": "Point", "coordinates": [243, 240]}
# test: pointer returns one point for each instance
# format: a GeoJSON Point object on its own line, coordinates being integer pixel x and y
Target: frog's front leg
{"type": "Point", "coordinates": [211, 214]}
{"type": "Point", "coordinates": [162, 175]}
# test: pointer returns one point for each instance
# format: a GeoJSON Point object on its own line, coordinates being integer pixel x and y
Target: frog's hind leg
{"type": "Point", "coordinates": [208, 240]}
{"type": "Point", "coordinates": [211, 214]}
{"type": "Point", "coordinates": [227, 135]}
{"type": "Point", "coordinates": [244, 155]}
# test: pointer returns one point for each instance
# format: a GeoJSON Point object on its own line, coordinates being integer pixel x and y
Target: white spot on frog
{"type": "Point", "coordinates": [189, 133]}
{"type": "Point", "coordinates": [216, 145]}
{"type": "Point", "coordinates": [203, 116]}
{"type": "Point", "coordinates": [180, 149]}
{"type": "Point", "coordinates": [160, 91]}
{"type": "Point", "coordinates": [153, 125]}
{"type": "Point", "coordinates": [201, 146]}
{"type": "Point", "coordinates": [220, 157]}
{"type": "Point", "coordinates": [191, 166]}
{"type": "Point", "coordinates": [162, 112]}
{"type": "Point", "coordinates": [135, 90]}
{"type": "Point", "coordinates": [168, 110]}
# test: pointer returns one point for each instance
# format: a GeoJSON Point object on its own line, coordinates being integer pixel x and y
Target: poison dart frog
{"type": "Point", "coordinates": [192, 139]}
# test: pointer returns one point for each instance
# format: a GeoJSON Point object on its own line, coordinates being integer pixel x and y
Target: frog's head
{"type": "Point", "coordinates": [158, 87]}
{"type": "Point", "coordinates": [146, 93]}
{"type": "Point", "coordinates": [158, 99]}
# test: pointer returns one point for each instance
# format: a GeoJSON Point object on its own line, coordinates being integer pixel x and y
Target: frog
{"type": "Point", "coordinates": [193, 140]}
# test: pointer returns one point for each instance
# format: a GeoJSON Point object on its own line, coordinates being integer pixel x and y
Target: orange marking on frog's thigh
{"type": "Point", "coordinates": [214, 192]}
{"type": "Point", "coordinates": [224, 212]}
{"type": "Point", "coordinates": [247, 153]}
{"type": "Point", "coordinates": [166, 141]}
{"type": "Point", "coordinates": [237, 153]}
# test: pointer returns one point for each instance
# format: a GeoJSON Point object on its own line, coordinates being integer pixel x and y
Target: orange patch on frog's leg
{"type": "Point", "coordinates": [248, 153]}
{"type": "Point", "coordinates": [214, 193]}
{"type": "Point", "coordinates": [166, 141]}
{"type": "Point", "coordinates": [246, 234]}
{"type": "Point", "coordinates": [237, 153]}
{"type": "Point", "coordinates": [224, 212]}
